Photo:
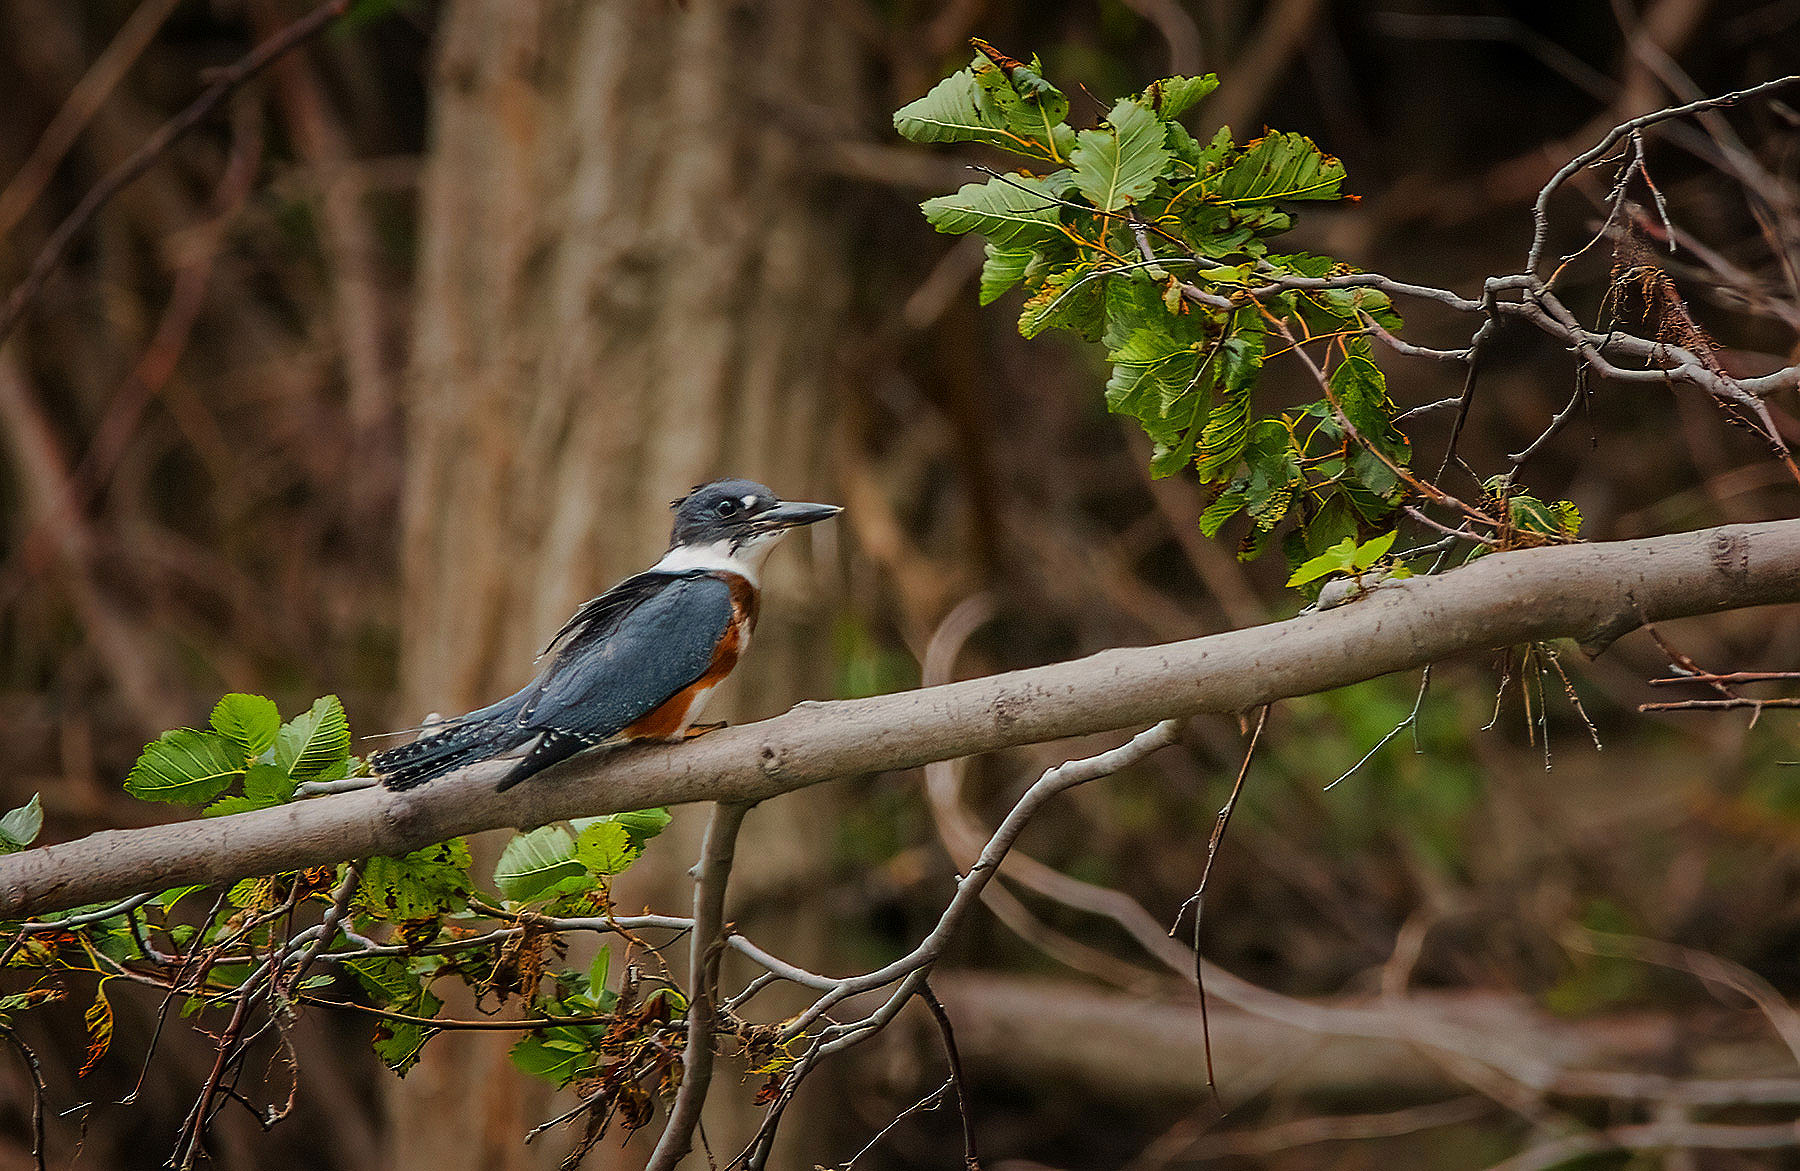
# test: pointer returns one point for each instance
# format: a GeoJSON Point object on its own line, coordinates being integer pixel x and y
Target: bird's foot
{"type": "Point", "coordinates": [703, 729]}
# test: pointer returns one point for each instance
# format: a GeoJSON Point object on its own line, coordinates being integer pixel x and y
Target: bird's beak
{"type": "Point", "coordinates": [791, 514]}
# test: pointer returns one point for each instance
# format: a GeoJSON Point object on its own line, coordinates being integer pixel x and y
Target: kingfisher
{"type": "Point", "coordinates": [636, 663]}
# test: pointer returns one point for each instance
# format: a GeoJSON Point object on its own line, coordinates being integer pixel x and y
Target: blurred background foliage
{"type": "Point", "coordinates": [217, 415]}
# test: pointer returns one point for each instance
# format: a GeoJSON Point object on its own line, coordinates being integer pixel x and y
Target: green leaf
{"type": "Point", "coordinates": [598, 972]}
{"type": "Point", "coordinates": [20, 827]}
{"type": "Point", "coordinates": [185, 767]}
{"type": "Point", "coordinates": [249, 720]}
{"type": "Point", "coordinates": [1120, 163]}
{"type": "Point", "coordinates": [168, 898]}
{"type": "Point", "coordinates": [1372, 550]}
{"type": "Point", "coordinates": [955, 110]}
{"type": "Point", "coordinates": [1344, 557]}
{"type": "Point", "coordinates": [642, 824]}
{"type": "Point", "coordinates": [1361, 391]}
{"type": "Point", "coordinates": [1066, 300]}
{"type": "Point", "coordinates": [1003, 268]}
{"type": "Point", "coordinates": [1532, 515]}
{"type": "Point", "coordinates": [1279, 167]}
{"type": "Point", "coordinates": [1172, 97]}
{"type": "Point", "coordinates": [265, 785]}
{"type": "Point", "coordinates": [1026, 103]}
{"type": "Point", "coordinates": [249, 893]}
{"type": "Point", "coordinates": [1274, 473]}
{"type": "Point", "coordinates": [1220, 511]}
{"type": "Point", "coordinates": [315, 743]}
{"type": "Point", "coordinates": [1228, 427]}
{"type": "Point", "coordinates": [1336, 559]}
{"type": "Point", "coordinates": [557, 1058]}
{"type": "Point", "coordinates": [604, 848]}
{"type": "Point", "coordinates": [1227, 431]}
{"type": "Point", "coordinates": [1015, 110]}
{"type": "Point", "coordinates": [1010, 210]}
{"type": "Point", "coordinates": [415, 887]}
{"type": "Point", "coordinates": [533, 863]}
{"type": "Point", "coordinates": [395, 984]}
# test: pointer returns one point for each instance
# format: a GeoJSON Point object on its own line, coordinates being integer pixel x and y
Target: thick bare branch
{"type": "Point", "coordinates": [1592, 593]}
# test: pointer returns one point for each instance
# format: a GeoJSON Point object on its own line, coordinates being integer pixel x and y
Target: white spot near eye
{"type": "Point", "coordinates": [749, 502]}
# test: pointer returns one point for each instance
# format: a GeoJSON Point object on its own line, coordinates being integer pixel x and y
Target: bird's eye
{"type": "Point", "coordinates": [726, 508]}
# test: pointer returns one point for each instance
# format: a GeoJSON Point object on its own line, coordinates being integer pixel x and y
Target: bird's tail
{"type": "Point", "coordinates": [451, 744]}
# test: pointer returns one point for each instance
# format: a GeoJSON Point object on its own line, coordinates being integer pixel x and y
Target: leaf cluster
{"type": "Point", "coordinates": [412, 920]}
{"type": "Point", "coordinates": [247, 745]}
{"type": "Point", "coordinates": [1164, 250]}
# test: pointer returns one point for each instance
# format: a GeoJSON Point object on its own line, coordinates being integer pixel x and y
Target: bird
{"type": "Point", "coordinates": [636, 663]}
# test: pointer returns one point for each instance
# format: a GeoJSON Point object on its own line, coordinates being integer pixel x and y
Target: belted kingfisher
{"type": "Point", "coordinates": [637, 662]}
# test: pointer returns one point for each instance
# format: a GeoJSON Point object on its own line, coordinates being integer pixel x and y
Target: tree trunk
{"type": "Point", "coordinates": [628, 284]}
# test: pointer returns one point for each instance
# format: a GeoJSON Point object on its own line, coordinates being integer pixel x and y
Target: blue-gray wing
{"type": "Point", "coordinates": [609, 674]}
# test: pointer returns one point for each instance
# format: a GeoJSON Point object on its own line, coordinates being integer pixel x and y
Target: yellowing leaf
{"type": "Point", "coordinates": [99, 1019]}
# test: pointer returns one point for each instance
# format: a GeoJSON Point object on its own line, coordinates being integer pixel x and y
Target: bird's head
{"type": "Point", "coordinates": [737, 521]}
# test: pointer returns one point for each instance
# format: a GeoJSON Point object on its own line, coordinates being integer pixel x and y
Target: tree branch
{"type": "Point", "coordinates": [710, 878]}
{"type": "Point", "coordinates": [1589, 592]}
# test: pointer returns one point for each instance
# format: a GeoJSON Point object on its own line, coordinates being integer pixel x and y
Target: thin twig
{"type": "Point", "coordinates": [1198, 900]}
{"type": "Point", "coordinates": [35, 1072]}
{"type": "Point", "coordinates": [714, 872]}
{"type": "Point", "coordinates": [971, 1160]}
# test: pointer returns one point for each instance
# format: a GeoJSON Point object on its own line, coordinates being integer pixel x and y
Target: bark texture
{"type": "Point", "coordinates": [627, 285]}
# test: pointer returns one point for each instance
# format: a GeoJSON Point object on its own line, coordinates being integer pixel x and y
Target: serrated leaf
{"type": "Point", "coordinates": [248, 720]}
{"type": "Point", "coordinates": [1274, 473]}
{"type": "Point", "coordinates": [1119, 163]}
{"type": "Point", "coordinates": [251, 894]}
{"type": "Point", "coordinates": [961, 108]}
{"type": "Point", "coordinates": [418, 886]}
{"type": "Point", "coordinates": [1003, 268]}
{"type": "Point", "coordinates": [604, 848]}
{"type": "Point", "coordinates": [643, 824]}
{"type": "Point", "coordinates": [168, 898]}
{"type": "Point", "coordinates": [398, 984]}
{"type": "Point", "coordinates": [1026, 103]}
{"type": "Point", "coordinates": [1279, 167]}
{"type": "Point", "coordinates": [185, 767]}
{"type": "Point", "coordinates": [1010, 210]}
{"type": "Point", "coordinates": [316, 742]}
{"type": "Point", "coordinates": [1172, 97]}
{"type": "Point", "coordinates": [1066, 300]}
{"type": "Point", "coordinates": [1220, 511]}
{"type": "Point", "coordinates": [99, 1021]}
{"type": "Point", "coordinates": [1336, 559]}
{"type": "Point", "coordinates": [1228, 426]}
{"type": "Point", "coordinates": [1373, 550]}
{"type": "Point", "coordinates": [20, 827]}
{"type": "Point", "coordinates": [15, 1002]}
{"type": "Point", "coordinates": [265, 785]}
{"type": "Point", "coordinates": [534, 862]}
{"type": "Point", "coordinates": [1568, 517]}
{"type": "Point", "coordinates": [1347, 556]}
{"type": "Point", "coordinates": [1227, 431]}
{"type": "Point", "coordinates": [955, 110]}
{"type": "Point", "coordinates": [1534, 516]}
{"type": "Point", "coordinates": [1361, 391]}
{"type": "Point", "coordinates": [389, 980]}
